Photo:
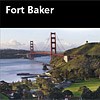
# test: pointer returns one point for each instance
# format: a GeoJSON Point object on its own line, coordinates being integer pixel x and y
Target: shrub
{"type": "Point", "coordinates": [87, 93]}
{"type": "Point", "coordinates": [68, 93]}
{"type": "Point", "coordinates": [96, 94]}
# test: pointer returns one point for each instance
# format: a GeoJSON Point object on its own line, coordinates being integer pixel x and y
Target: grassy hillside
{"type": "Point", "coordinates": [85, 64]}
{"type": "Point", "coordinates": [92, 84]}
{"type": "Point", "coordinates": [89, 49]}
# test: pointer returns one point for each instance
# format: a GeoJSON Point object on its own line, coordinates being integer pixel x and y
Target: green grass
{"type": "Point", "coordinates": [92, 84]}
{"type": "Point", "coordinates": [3, 97]}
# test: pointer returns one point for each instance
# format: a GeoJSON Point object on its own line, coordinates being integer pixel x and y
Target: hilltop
{"type": "Point", "coordinates": [84, 65]}
{"type": "Point", "coordinates": [86, 49]}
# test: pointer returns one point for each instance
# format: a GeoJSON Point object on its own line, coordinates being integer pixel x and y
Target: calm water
{"type": "Point", "coordinates": [10, 67]}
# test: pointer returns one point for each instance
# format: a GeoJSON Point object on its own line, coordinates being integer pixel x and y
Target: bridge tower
{"type": "Point", "coordinates": [53, 43]}
{"type": "Point", "coordinates": [31, 49]}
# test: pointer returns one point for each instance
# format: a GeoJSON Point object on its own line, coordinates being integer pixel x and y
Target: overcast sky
{"type": "Point", "coordinates": [18, 38]}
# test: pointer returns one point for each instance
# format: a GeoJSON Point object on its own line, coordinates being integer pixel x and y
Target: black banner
{"type": "Point", "coordinates": [14, 14]}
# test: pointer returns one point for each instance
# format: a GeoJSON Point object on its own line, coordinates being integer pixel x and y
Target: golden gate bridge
{"type": "Point", "coordinates": [53, 48]}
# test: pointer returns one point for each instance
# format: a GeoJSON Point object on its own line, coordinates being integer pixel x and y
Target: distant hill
{"type": "Point", "coordinates": [86, 63]}
{"type": "Point", "coordinates": [12, 53]}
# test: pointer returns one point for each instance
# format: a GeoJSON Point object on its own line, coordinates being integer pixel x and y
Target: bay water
{"type": "Point", "coordinates": [9, 68]}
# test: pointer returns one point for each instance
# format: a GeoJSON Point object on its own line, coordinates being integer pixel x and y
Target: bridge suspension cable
{"type": "Point", "coordinates": [59, 49]}
{"type": "Point", "coordinates": [60, 43]}
{"type": "Point", "coordinates": [36, 49]}
{"type": "Point", "coordinates": [46, 44]}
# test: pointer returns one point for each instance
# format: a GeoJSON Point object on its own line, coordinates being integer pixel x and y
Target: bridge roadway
{"type": "Point", "coordinates": [47, 53]}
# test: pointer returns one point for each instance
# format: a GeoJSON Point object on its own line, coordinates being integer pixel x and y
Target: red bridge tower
{"type": "Point", "coordinates": [31, 49]}
{"type": "Point", "coordinates": [53, 43]}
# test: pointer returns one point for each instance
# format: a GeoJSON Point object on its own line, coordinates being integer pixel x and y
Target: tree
{"type": "Point", "coordinates": [56, 75]}
{"type": "Point", "coordinates": [66, 72]}
{"type": "Point", "coordinates": [45, 85]}
{"type": "Point", "coordinates": [72, 74]}
{"type": "Point", "coordinates": [5, 87]}
{"type": "Point", "coordinates": [96, 94]}
{"type": "Point", "coordinates": [27, 95]}
{"type": "Point", "coordinates": [17, 96]}
{"type": "Point", "coordinates": [56, 93]}
{"type": "Point", "coordinates": [97, 72]}
{"type": "Point", "coordinates": [21, 90]}
{"type": "Point", "coordinates": [87, 93]}
{"type": "Point", "coordinates": [39, 82]}
{"type": "Point", "coordinates": [68, 93]}
{"type": "Point", "coordinates": [40, 95]}
{"type": "Point", "coordinates": [23, 87]}
{"type": "Point", "coordinates": [83, 72]}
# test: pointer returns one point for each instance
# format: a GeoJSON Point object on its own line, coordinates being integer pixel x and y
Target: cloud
{"type": "Point", "coordinates": [38, 46]}
{"type": "Point", "coordinates": [13, 44]}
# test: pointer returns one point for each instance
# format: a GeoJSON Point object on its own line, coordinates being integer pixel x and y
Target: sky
{"type": "Point", "coordinates": [19, 38]}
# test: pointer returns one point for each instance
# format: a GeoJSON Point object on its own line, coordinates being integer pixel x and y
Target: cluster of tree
{"type": "Point", "coordinates": [29, 83]}
{"type": "Point", "coordinates": [81, 67]}
{"type": "Point", "coordinates": [57, 94]}
{"type": "Point", "coordinates": [45, 85]}
{"type": "Point", "coordinates": [5, 87]}
{"type": "Point", "coordinates": [46, 90]}
{"type": "Point", "coordinates": [50, 91]}
{"type": "Point", "coordinates": [22, 91]}
{"type": "Point", "coordinates": [87, 94]}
